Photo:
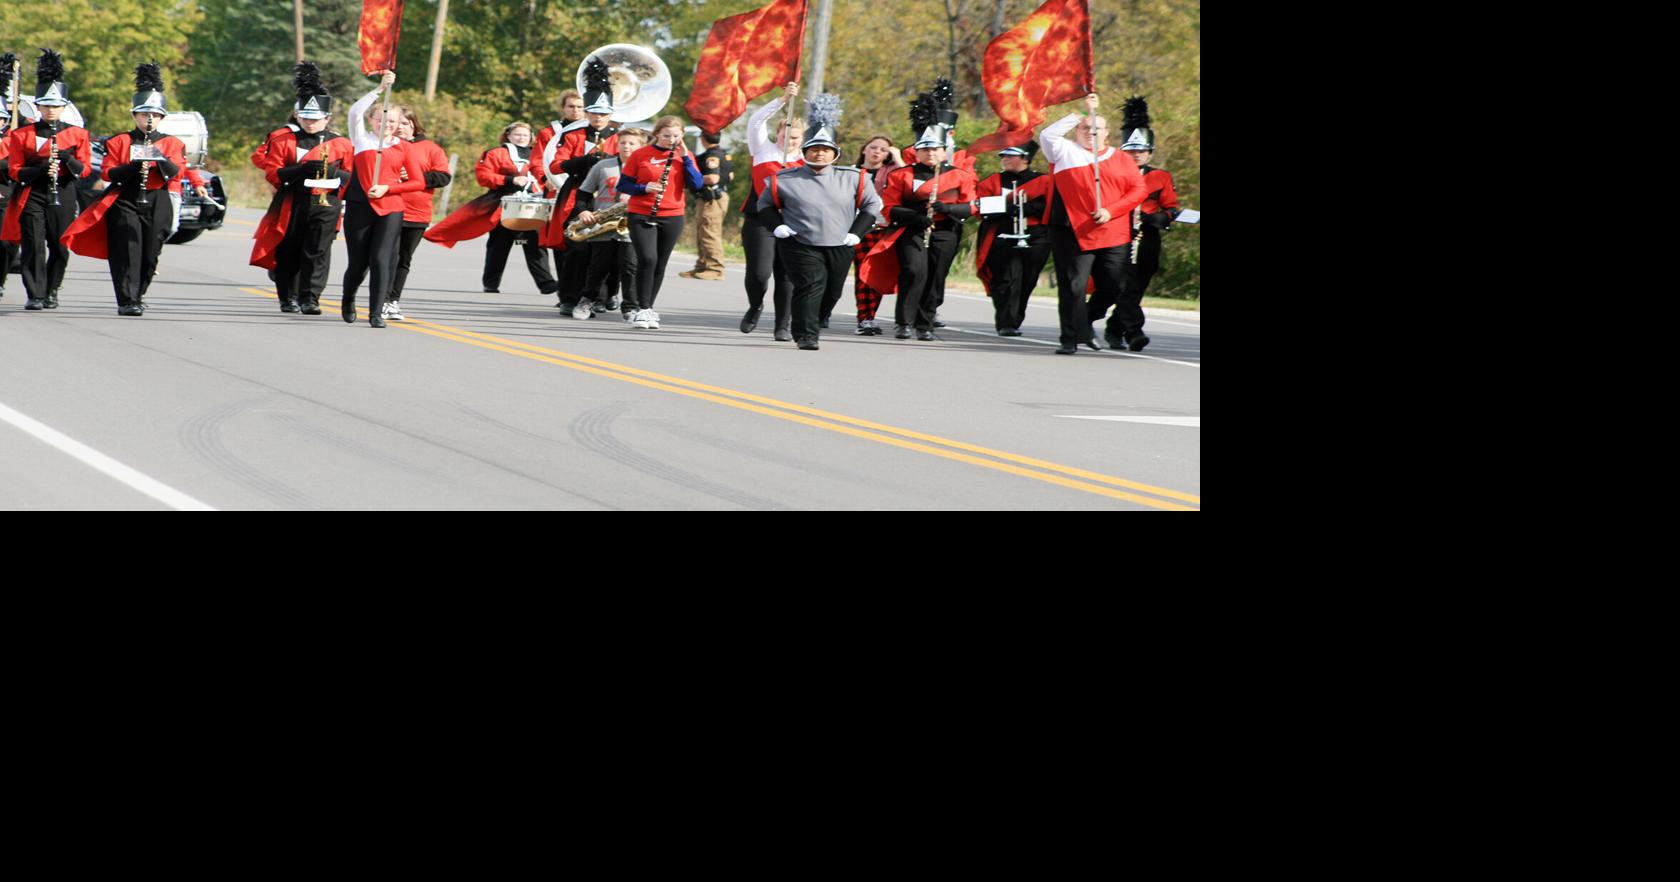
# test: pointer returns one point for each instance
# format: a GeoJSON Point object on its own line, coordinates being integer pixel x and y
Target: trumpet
{"type": "Point", "coordinates": [609, 220]}
{"type": "Point", "coordinates": [321, 195]}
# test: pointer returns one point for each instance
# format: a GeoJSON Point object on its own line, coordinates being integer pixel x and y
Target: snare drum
{"type": "Point", "coordinates": [522, 212]}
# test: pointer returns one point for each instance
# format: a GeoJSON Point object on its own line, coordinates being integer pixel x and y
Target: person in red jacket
{"type": "Point", "coordinates": [373, 212]}
{"type": "Point", "coordinates": [128, 225]}
{"type": "Point", "coordinates": [45, 159]}
{"type": "Point", "coordinates": [1149, 221]}
{"type": "Point", "coordinates": [581, 146]}
{"type": "Point", "coordinates": [307, 164]}
{"type": "Point", "coordinates": [1010, 266]}
{"type": "Point", "coordinates": [427, 160]}
{"type": "Point", "coordinates": [1090, 230]}
{"type": "Point", "coordinates": [8, 250]}
{"type": "Point", "coordinates": [655, 184]}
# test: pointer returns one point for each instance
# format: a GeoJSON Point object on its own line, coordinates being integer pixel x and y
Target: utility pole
{"type": "Point", "coordinates": [297, 21]}
{"type": "Point", "coordinates": [437, 50]}
{"type": "Point", "coordinates": [819, 50]}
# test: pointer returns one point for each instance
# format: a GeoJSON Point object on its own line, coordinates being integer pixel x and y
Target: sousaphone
{"type": "Point", "coordinates": [641, 84]}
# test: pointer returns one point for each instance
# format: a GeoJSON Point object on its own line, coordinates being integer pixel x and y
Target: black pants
{"type": "Point", "coordinates": [817, 275]}
{"type": "Point", "coordinates": [371, 239]}
{"type": "Point", "coordinates": [496, 257]}
{"type": "Point", "coordinates": [303, 261]}
{"type": "Point", "coordinates": [763, 263]}
{"type": "Point", "coordinates": [8, 254]}
{"type": "Point", "coordinates": [612, 270]}
{"type": "Point", "coordinates": [42, 223]}
{"type": "Point", "coordinates": [134, 235]}
{"type": "Point", "coordinates": [409, 240]}
{"type": "Point", "coordinates": [921, 274]}
{"type": "Point", "coordinates": [1128, 305]}
{"type": "Point", "coordinates": [652, 245]}
{"type": "Point", "coordinates": [1015, 274]}
{"type": "Point", "coordinates": [1074, 270]}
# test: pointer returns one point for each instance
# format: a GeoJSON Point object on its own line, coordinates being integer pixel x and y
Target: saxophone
{"type": "Point", "coordinates": [608, 221]}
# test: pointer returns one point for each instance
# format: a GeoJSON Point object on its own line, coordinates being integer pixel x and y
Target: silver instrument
{"type": "Point", "coordinates": [641, 84]}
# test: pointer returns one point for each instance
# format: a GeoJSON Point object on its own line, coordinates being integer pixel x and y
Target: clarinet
{"type": "Point", "coordinates": [670, 159]}
{"type": "Point", "coordinates": [145, 167]}
{"type": "Point", "coordinates": [52, 164]}
{"type": "Point", "coordinates": [1137, 232]}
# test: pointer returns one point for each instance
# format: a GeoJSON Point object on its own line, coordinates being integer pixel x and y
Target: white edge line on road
{"type": "Point", "coordinates": [155, 489]}
{"type": "Point", "coordinates": [1194, 422]}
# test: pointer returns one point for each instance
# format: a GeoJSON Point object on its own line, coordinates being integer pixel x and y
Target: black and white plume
{"type": "Point", "coordinates": [1135, 130]}
{"type": "Point", "coordinates": [6, 62]}
{"type": "Point", "coordinates": [313, 102]}
{"type": "Point", "coordinates": [49, 68]}
{"type": "Point", "coordinates": [597, 86]}
{"type": "Point", "coordinates": [148, 88]}
{"type": "Point", "coordinates": [822, 121]}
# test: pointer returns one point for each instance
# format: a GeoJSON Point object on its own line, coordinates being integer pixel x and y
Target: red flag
{"type": "Point", "coordinates": [378, 35]}
{"type": "Point", "coordinates": [1040, 62]}
{"type": "Point", "coordinates": [746, 56]}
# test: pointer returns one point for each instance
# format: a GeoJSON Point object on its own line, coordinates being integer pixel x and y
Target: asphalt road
{"type": "Point", "coordinates": [216, 399]}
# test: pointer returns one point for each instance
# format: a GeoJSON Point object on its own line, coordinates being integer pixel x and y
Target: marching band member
{"type": "Point", "coordinates": [508, 170]}
{"type": "Point", "coordinates": [373, 211]}
{"type": "Point", "coordinates": [656, 209]}
{"type": "Point", "coordinates": [45, 159]}
{"type": "Point", "coordinates": [818, 213]}
{"type": "Point", "coordinates": [543, 147]}
{"type": "Point", "coordinates": [1009, 271]}
{"type": "Point", "coordinates": [579, 150]}
{"type": "Point", "coordinates": [128, 224]}
{"type": "Point", "coordinates": [1091, 240]}
{"type": "Point", "coordinates": [612, 262]}
{"type": "Point", "coordinates": [878, 160]}
{"type": "Point", "coordinates": [294, 238]}
{"type": "Point", "coordinates": [924, 255]}
{"type": "Point", "coordinates": [769, 155]}
{"type": "Point", "coordinates": [8, 250]}
{"type": "Point", "coordinates": [1151, 219]}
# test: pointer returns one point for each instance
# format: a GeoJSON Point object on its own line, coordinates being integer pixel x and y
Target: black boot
{"type": "Point", "coordinates": [784, 327]}
{"type": "Point", "coordinates": [347, 308]}
{"type": "Point", "coordinates": [52, 299]}
{"type": "Point", "coordinates": [750, 320]}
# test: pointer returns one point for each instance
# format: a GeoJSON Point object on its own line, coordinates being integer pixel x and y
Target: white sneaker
{"type": "Point", "coordinates": [641, 320]}
{"type": "Point", "coordinates": [582, 310]}
{"type": "Point", "coordinates": [653, 319]}
{"type": "Point", "coordinates": [385, 311]}
{"type": "Point", "coordinates": [393, 310]}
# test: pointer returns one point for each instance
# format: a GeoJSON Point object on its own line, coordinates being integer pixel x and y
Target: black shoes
{"type": "Point", "coordinates": [52, 299]}
{"type": "Point", "coordinates": [288, 306]}
{"type": "Point", "coordinates": [1066, 349]}
{"type": "Point", "coordinates": [822, 323]}
{"type": "Point", "coordinates": [807, 343]}
{"type": "Point", "coordinates": [347, 309]}
{"type": "Point", "coordinates": [750, 320]}
{"type": "Point", "coordinates": [903, 332]}
{"type": "Point", "coordinates": [938, 324]}
{"type": "Point", "coordinates": [492, 291]}
{"type": "Point", "coordinates": [924, 333]}
{"type": "Point", "coordinates": [310, 308]}
{"type": "Point", "coordinates": [33, 304]}
{"type": "Point", "coordinates": [1113, 341]}
{"type": "Point", "coordinates": [376, 320]}
{"type": "Point", "coordinates": [129, 310]}
{"type": "Point", "coordinates": [1095, 344]}
{"type": "Point", "coordinates": [784, 328]}
{"type": "Point", "coordinates": [1137, 341]}
{"type": "Point", "coordinates": [1009, 332]}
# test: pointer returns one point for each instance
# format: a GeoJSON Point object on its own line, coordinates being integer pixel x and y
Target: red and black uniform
{"type": "Point", "coordinates": [869, 297]}
{"type": "Point", "coordinates": [1009, 271]}
{"type": "Point", "coordinates": [295, 236]}
{"type": "Point", "coordinates": [8, 250]}
{"type": "Point", "coordinates": [119, 228]}
{"type": "Point", "coordinates": [496, 169]}
{"type": "Point", "coordinates": [1155, 216]}
{"type": "Point", "coordinates": [654, 233]}
{"type": "Point", "coordinates": [921, 273]}
{"type": "Point", "coordinates": [426, 159]}
{"type": "Point", "coordinates": [31, 218]}
{"type": "Point", "coordinates": [578, 151]}
{"type": "Point", "coordinates": [1088, 252]}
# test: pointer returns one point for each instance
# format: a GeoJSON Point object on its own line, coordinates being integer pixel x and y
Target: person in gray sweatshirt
{"type": "Point", "coordinates": [818, 211]}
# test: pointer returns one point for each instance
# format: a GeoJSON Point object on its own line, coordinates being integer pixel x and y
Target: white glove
{"type": "Point", "coordinates": [851, 239]}
{"type": "Point", "coordinates": [784, 231]}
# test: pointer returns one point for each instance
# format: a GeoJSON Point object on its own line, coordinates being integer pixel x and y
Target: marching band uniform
{"type": "Point", "coordinates": [372, 226]}
{"type": "Point", "coordinates": [581, 146]}
{"type": "Point", "coordinates": [768, 157]}
{"type": "Point", "coordinates": [612, 261]}
{"type": "Point", "coordinates": [295, 236]}
{"type": "Point", "coordinates": [31, 218]}
{"type": "Point", "coordinates": [1086, 251]}
{"type": "Point", "coordinates": [818, 215]}
{"type": "Point", "coordinates": [119, 227]}
{"type": "Point", "coordinates": [1150, 220]}
{"type": "Point", "coordinates": [653, 237]}
{"type": "Point", "coordinates": [714, 206]}
{"type": "Point", "coordinates": [1009, 271]}
{"type": "Point", "coordinates": [496, 169]}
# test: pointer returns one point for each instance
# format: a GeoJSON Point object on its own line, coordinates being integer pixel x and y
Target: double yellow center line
{"type": "Point", "coordinates": [909, 439]}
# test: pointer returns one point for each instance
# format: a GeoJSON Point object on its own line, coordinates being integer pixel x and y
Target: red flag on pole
{"type": "Point", "coordinates": [1040, 62]}
{"type": "Point", "coordinates": [746, 56]}
{"type": "Point", "coordinates": [378, 35]}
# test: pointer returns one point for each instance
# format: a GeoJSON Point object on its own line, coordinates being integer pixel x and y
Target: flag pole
{"type": "Point", "coordinates": [1091, 112]}
{"type": "Point", "coordinates": [786, 136]}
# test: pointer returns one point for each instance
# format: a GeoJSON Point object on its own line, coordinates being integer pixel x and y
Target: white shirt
{"type": "Point", "coordinates": [763, 147]}
{"type": "Point", "coordinates": [360, 138]}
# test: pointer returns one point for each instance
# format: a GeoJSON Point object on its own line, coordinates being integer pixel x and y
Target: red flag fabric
{"type": "Point", "coordinates": [746, 56]}
{"type": "Point", "coordinates": [1040, 62]}
{"type": "Point", "coordinates": [381, 20]}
